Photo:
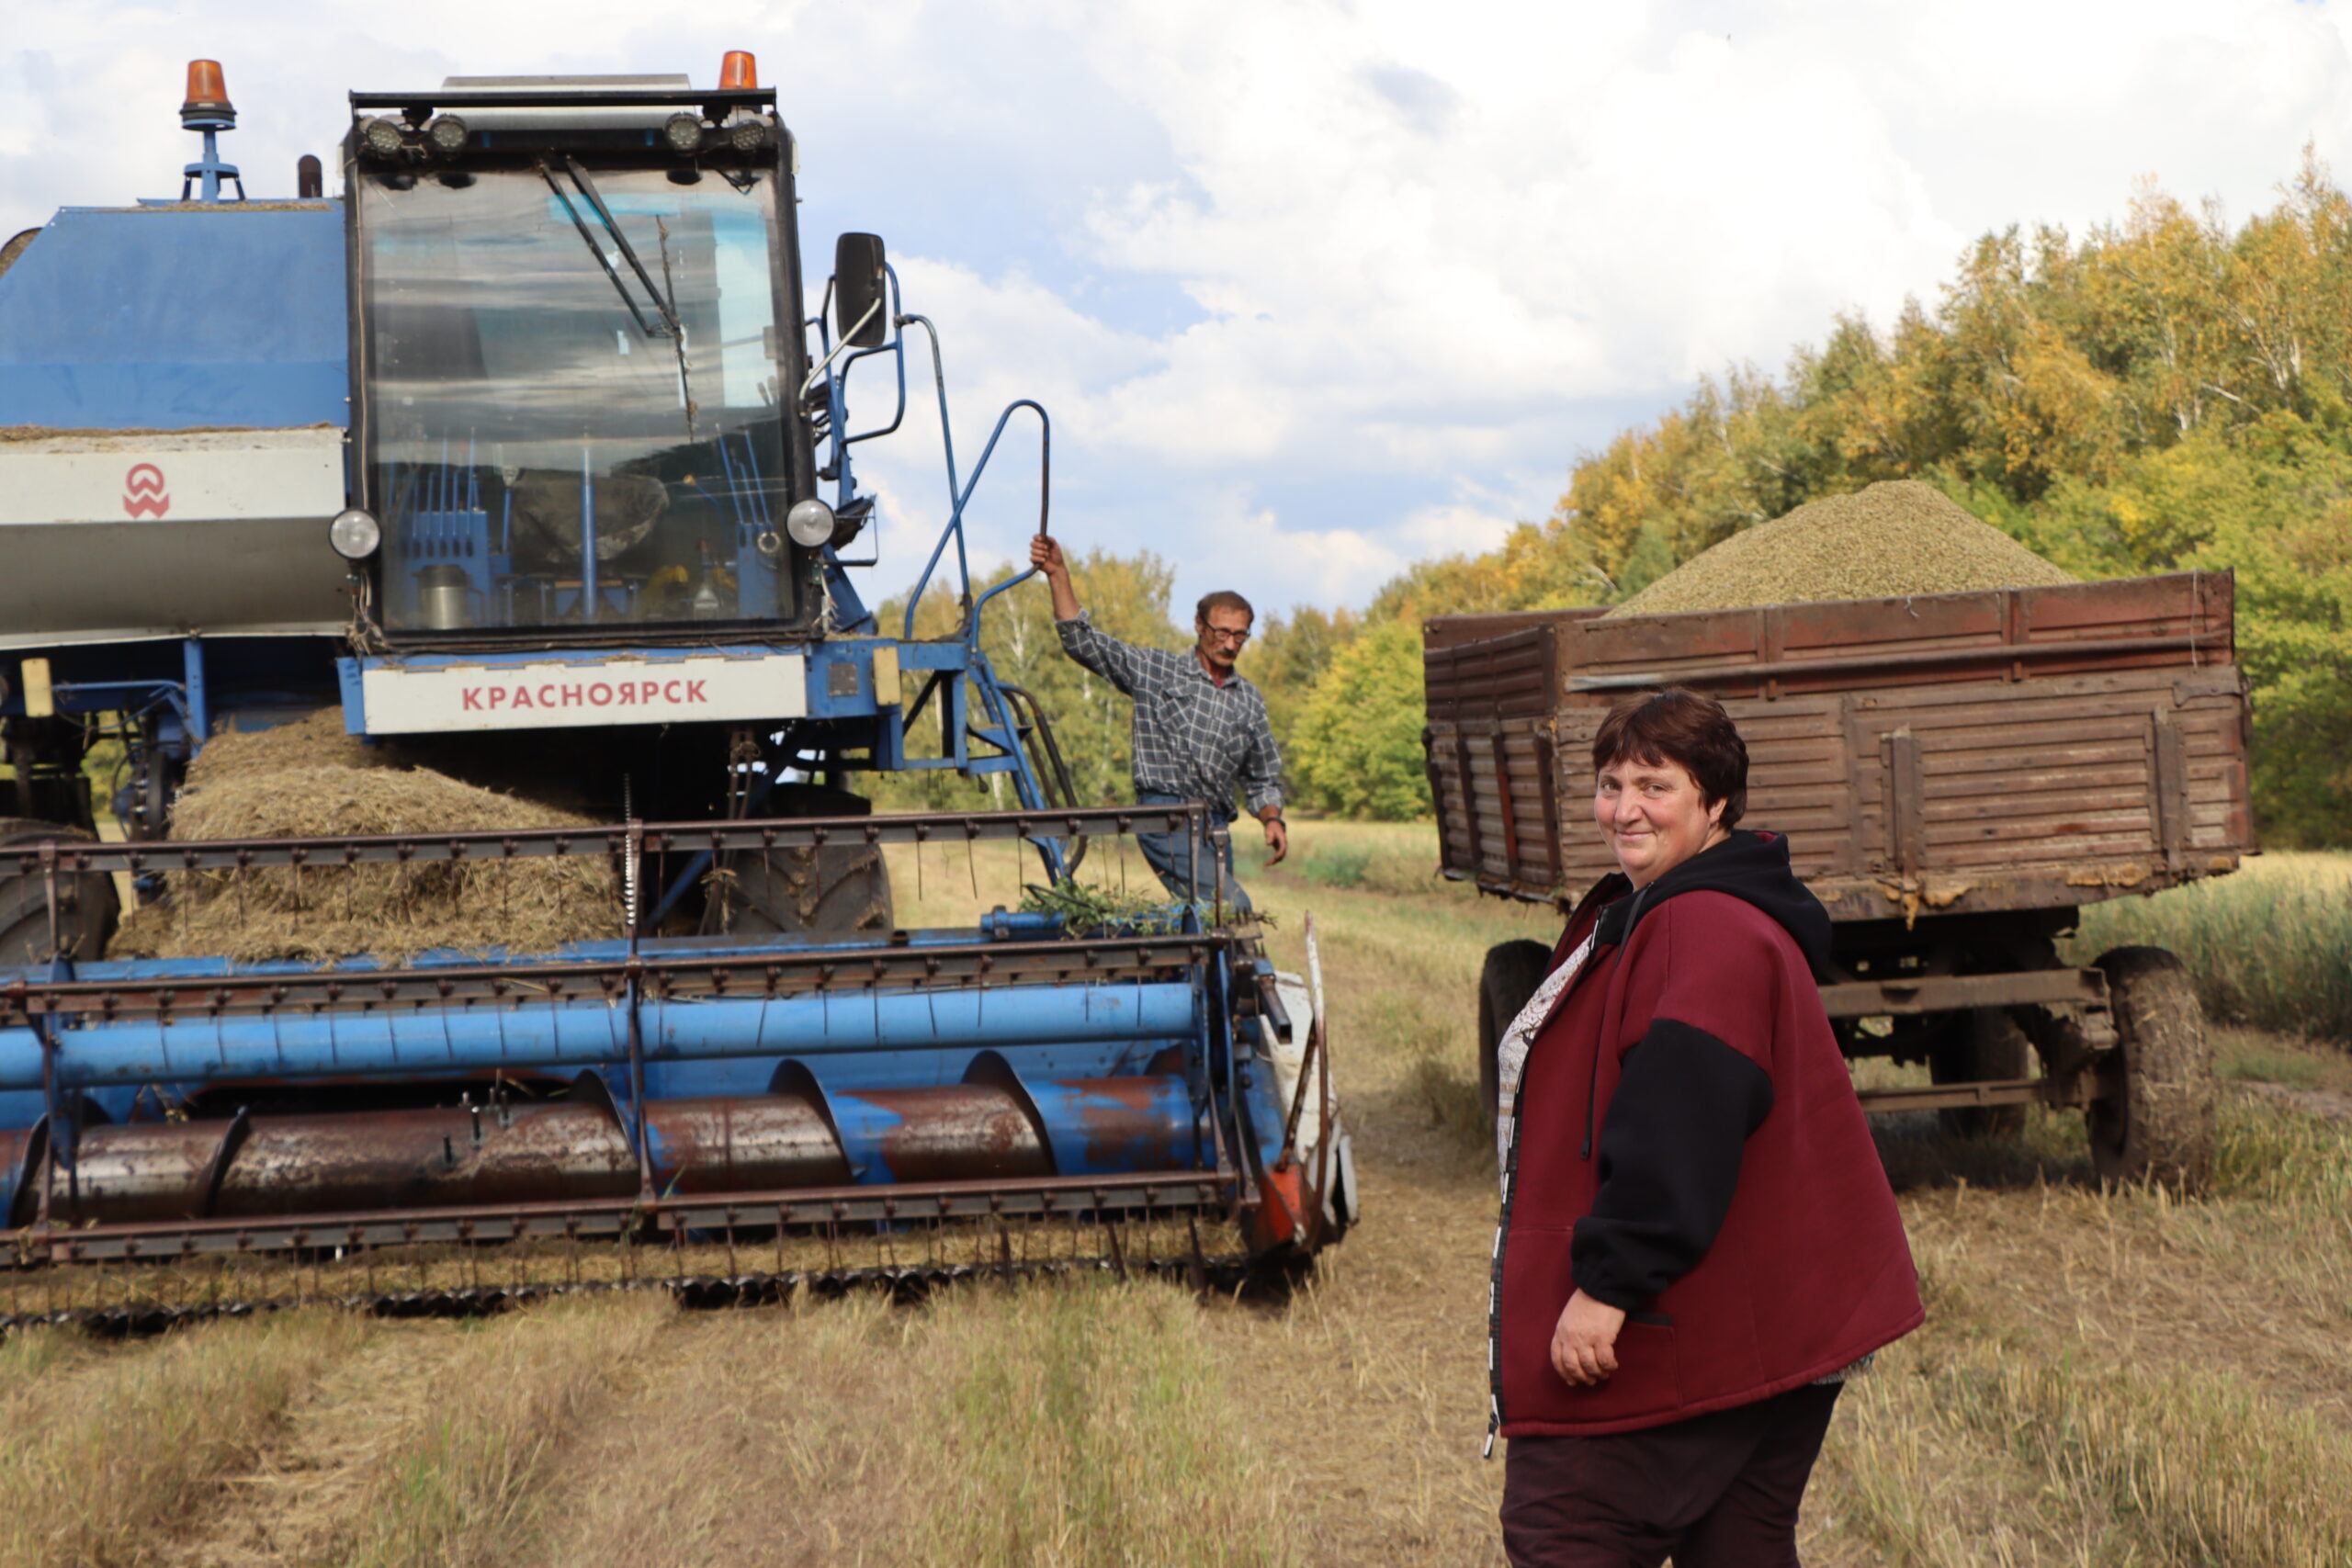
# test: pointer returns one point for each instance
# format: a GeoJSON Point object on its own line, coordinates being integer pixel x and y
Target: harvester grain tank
{"type": "Point", "coordinates": [523, 455]}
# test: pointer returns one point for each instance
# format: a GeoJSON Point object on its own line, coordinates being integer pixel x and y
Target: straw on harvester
{"type": "Point", "coordinates": [310, 779]}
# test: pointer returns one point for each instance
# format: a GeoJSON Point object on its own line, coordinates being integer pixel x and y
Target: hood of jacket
{"type": "Point", "coordinates": [1752, 868]}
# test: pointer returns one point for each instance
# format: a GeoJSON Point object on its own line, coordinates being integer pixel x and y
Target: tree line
{"type": "Point", "coordinates": [2167, 392]}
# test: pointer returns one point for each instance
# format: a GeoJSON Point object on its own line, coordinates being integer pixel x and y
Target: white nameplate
{"type": "Point", "coordinates": [172, 477]}
{"type": "Point", "coordinates": [561, 696]}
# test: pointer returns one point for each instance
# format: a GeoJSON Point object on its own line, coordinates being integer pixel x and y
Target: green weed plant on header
{"type": "Point", "coordinates": [1087, 906]}
{"type": "Point", "coordinates": [2270, 946]}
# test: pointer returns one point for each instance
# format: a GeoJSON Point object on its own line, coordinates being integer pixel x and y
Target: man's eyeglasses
{"type": "Point", "coordinates": [1218, 634]}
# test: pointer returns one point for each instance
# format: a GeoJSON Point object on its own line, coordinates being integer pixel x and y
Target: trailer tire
{"type": "Point", "coordinates": [1984, 1043]}
{"type": "Point", "coordinates": [1511, 973]}
{"type": "Point", "coordinates": [2161, 1126]}
{"type": "Point", "coordinates": [840, 890]}
{"type": "Point", "coordinates": [87, 906]}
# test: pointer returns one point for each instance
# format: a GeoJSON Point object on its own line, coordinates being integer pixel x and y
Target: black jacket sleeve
{"type": "Point", "coordinates": [1669, 1161]}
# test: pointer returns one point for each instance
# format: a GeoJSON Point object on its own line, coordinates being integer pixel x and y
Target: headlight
{"type": "Point", "coordinates": [448, 133]}
{"type": "Point", "coordinates": [810, 523]}
{"type": "Point", "coordinates": [382, 137]}
{"type": "Point", "coordinates": [355, 535]}
{"type": "Point", "coordinates": [682, 132]}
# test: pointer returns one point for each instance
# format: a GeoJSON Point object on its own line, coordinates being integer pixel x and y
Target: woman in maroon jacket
{"type": "Point", "coordinates": [1698, 1242]}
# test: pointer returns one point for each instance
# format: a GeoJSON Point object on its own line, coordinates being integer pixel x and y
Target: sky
{"type": "Point", "coordinates": [1312, 288]}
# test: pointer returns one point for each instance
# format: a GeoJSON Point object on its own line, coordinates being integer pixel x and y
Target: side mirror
{"type": "Point", "coordinates": [861, 291]}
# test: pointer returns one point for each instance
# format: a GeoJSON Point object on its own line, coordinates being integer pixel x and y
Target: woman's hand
{"type": "Point", "coordinates": [1584, 1346]}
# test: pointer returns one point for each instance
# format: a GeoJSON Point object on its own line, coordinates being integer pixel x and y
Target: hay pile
{"type": "Point", "coordinates": [310, 779]}
{"type": "Point", "coordinates": [1899, 537]}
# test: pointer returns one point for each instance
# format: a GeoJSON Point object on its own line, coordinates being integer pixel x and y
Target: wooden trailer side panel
{"type": "Point", "coordinates": [2030, 748]}
{"type": "Point", "coordinates": [1490, 757]}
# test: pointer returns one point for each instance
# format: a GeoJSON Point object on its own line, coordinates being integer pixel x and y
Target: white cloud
{"type": "Point", "coordinates": [1312, 288]}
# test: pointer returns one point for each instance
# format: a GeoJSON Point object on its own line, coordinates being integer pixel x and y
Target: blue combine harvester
{"type": "Point", "coordinates": [520, 453]}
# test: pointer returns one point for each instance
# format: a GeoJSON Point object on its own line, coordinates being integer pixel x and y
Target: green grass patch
{"type": "Point", "coordinates": [462, 1485]}
{"type": "Point", "coordinates": [2269, 946]}
{"type": "Point", "coordinates": [2275, 1155]}
{"type": "Point", "coordinates": [1090, 1425]}
{"type": "Point", "coordinates": [1399, 859]}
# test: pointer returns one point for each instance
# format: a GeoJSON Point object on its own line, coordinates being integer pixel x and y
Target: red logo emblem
{"type": "Point", "coordinates": [143, 492]}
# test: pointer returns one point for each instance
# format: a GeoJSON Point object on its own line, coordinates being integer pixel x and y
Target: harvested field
{"type": "Point", "coordinates": [1894, 537]}
{"type": "Point", "coordinates": [2107, 1379]}
{"type": "Point", "coordinates": [310, 779]}
{"type": "Point", "coordinates": [110, 1454]}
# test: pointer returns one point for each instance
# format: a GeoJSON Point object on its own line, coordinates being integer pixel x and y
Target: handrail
{"type": "Point", "coordinates": [1045, 502]}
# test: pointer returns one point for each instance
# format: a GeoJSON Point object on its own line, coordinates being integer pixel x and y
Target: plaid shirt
{"type": "Point", "coordinates": [1192, 737]}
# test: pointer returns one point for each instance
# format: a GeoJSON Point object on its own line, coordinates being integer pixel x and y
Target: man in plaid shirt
{"type": "Point", "coordinates": [1200, 728]}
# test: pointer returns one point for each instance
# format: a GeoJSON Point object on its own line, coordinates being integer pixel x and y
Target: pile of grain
{"type": "Point", "coordinates": [309, 780]}
{"type": "Point", "coordinates": [1897, 537]}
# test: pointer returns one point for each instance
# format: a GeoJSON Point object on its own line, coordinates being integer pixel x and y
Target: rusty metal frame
{"type": "Point", "coordinates": [1911, 995]}
{"type": "Point", "coordinates": [494, 845]}
{"type": "Point", "coordinates": [1058, 1197]}
{"type": "Point", "coordinates": [657, 977]}
{"type": "Point", "coordinates": [2070, 1091]}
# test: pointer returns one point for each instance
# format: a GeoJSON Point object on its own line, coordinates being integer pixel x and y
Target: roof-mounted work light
{"type": "Point", "coordinates": [381, 138]}
{"type": "Point", "coordinates": [447, 134]}
{"type": "Point", "coordinates": [682, 132]}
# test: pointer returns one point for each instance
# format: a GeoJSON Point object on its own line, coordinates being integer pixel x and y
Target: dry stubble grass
{"type": "Point", "coordinates": [1057, 1424]}
{"type": "Point", "coordinates": [109, 1451]}
{"type": "Point", "coordinates": [463, 1480]}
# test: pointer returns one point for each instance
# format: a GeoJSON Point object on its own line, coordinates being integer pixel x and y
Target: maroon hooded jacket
{"type": "Point", "coordinates": [1690, 1149]}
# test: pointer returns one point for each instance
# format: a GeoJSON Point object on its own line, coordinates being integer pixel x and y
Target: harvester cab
{"type": "Point", "coordinates": [601, 475]}
{"type": "Point", "coordinates": [517, 478]}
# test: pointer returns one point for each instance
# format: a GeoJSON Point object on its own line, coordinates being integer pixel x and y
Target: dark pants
{"type": "Point", "coordinates": [1716, 1491]}
{"type": "Point", "coordinates": [1169, 856]}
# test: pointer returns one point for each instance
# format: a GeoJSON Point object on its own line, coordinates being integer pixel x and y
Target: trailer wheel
{"type": "Point", "coordinates": [1982, 1044]}
{"type": "Point", "coordinates": [1512, 971]}
{"type": "Point", "coordinates": [2160, 1126]}
{"type": "Point", "coordinates": [839, 890]}
{"type": "Point", "coordinates": [87, 907]}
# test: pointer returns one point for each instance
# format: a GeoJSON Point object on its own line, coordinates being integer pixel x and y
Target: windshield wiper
{"type": "Point", "coordinates": [628, 252]}
{"type": "Point", "coordinates": [669, 317]}
{"type": "Point", "coordinates": [663, 301]}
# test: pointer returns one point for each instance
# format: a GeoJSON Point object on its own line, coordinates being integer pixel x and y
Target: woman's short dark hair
{"type": "Point", "coordinates": [1685, 729]}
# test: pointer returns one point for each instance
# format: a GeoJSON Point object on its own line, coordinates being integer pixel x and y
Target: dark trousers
{"type": "Point", "coordinates": [1716, 1491]}
{"type": "Point", "coordinates": [1170, 856]}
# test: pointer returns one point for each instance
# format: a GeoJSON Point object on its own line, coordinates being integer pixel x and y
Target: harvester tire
{"type": "Point", "coordinates": [1981, 1046]}
{"type": "Point", "coordinates": [841, 890]}
{"type": "Point", "coordinates": [1512, 971]}
{"type": "Point", "coordinates": [2160, 1125]}
{"type": "Point", "coordinates": [87, 908]}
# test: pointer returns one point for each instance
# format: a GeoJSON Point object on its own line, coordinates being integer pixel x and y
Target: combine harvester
{"type": "Point", "coordinates": [520, 454]}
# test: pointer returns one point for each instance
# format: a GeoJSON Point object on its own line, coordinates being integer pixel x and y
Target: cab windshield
{"type": "Point", "coordinates": [573, 398]}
